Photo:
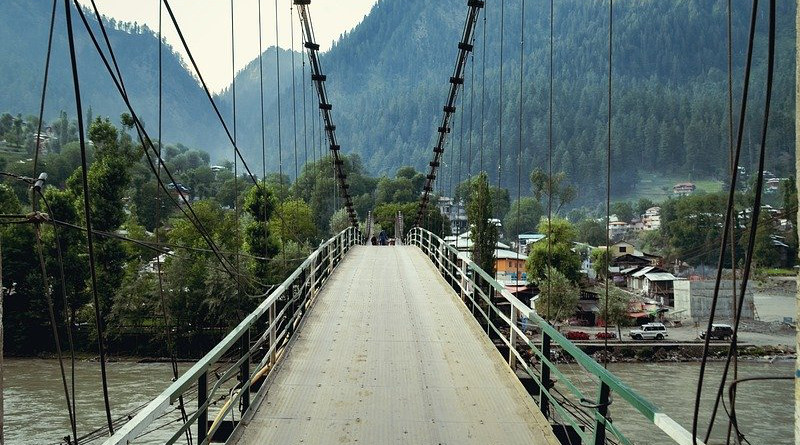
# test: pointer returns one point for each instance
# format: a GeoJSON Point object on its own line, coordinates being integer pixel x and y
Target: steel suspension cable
{"type": "Point", "coordinates": [550, 168]}
{"type": "Point", "coordinates": [500, 102]}
{"type": "Point", "coordinates": [728, 217]}
{"type": "Point", "coordinates": [519, 116]}
{"type": "Point", "coordinates": [755, 215]}
{"type": "Point", "coordinates": [465, 47]}
{"type": "Point", "coordinates": [88, 212]}
{"type": "Point", "coordinates": [608, 173]}
{"type": "Point", "coordinates": [44, 89]}
{"type": "Point", "coordinates": [483, 92]}
{"type": "Point", "coordinates": [171, 346]}
{"type": "Point", "coordinates": [236, 206]}
{"type": "Point", "coordinates": [294, 89]}
{"type": "Point", "coordinates": [471, 109]}
{"type": "Point", "coordinates": [263, 129]}
{"type": "Point", "coordinates": [305, 114]}
{"type": "Point", "coordinates": [46, 289]}
{"type": "Point", "coordinates": [733, 213]}
{"type": "Point", "coordinates": [147, 142]}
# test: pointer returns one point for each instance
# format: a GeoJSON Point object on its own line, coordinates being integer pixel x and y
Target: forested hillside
{"type": "Point", "coordinates": [24, 29]}
{"type": "Point", "coordinates": [387, 79]}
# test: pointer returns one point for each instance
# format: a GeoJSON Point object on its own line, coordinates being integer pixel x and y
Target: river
{"type": "Point", "coordinates": [36, 411]}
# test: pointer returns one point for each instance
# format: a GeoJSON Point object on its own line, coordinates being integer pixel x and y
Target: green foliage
{"type": "Point", "coordinates": [765, 254]}
{"type": "Point", "coordinates": [614, 308]}
{"type": "Point", "coordinates": [386, 214]}
{"type": "Point", "coordinates": [560, 254]}
{"type": "Point", "coordinates": [624, 211]}
{"type": "Point", "coordinates": [522, 217]}
{"type": "Point", "coordinates": [553, 190]}
{"type": "Point", "coordinates": [483, 232]}
{"type": "Point", "coordinates": [259, 242]}
{"type": "Point", "coordinates": [693, 225]}
{"type": "Point", "coordinates": [339, 221]}
{"type": "Point", "coordinates": [600, 262]}
{"type": "Point", "coordinates": [292, 220]}
{"type": "Point", "coordinates": [558, 296]}
{"type": "Point", "coordinates": [591, 231]}
{"type": "Point", "coordinates": [501, 200]}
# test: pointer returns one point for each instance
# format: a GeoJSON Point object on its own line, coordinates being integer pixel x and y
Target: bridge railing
{"type": "Point", "coordinates": [503, 316]}
{"type": "Point", "coordinates": [247, 354]}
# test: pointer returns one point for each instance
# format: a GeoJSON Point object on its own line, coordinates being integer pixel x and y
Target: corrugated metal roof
{"type": "Point", "coordinates": [643, 271]}
{"type": "Point", "coordinates": [660, 276]}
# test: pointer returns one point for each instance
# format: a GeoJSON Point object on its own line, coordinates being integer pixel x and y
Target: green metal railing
{"type": "Point", "coordinates": [251, 349]}
{"type": "Point", "coordinates": [588, 415]}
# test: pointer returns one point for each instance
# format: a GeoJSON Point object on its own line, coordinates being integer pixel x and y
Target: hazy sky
{"type": "Point", "coordinates": [206, 24]}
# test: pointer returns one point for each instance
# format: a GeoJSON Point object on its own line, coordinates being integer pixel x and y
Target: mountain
{"type": "Point", "coordinates": [24, 31]}
{"type": "Point", "coordinates": [388, 80]}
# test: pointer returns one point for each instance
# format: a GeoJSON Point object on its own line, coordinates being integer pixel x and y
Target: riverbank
{"type": "Point", "coordinates": [677, 353]}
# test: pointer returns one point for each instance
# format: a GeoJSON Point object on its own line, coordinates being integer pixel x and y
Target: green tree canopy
{"type": "Point", "coordinates": [559, 251]}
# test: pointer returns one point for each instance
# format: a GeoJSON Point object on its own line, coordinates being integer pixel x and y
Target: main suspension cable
{"type": "Point", "coordinates": [728, 218]}
{"type": "Point", "coordinates": [88, 213]}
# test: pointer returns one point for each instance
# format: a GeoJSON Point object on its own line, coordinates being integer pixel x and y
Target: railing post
{"type": "Point", "coordinates": [602, 409]}
{"type": "Point", "coordinates": [312, 291]}
{"type": "Point", "coordinates": [330, 259]}
{"type": "Point", "coordinates": [463, 278]}
{"type": "Point", "coordinates": [272, 335]}
{"type": "Point", "coordinates": [244, 371]}
{"type": "Point", "coordinates": [512, 338]}
{"type": "Point", "coordinates": [202, 397]}
{"type": "Point", "coordinates": [544, 402]}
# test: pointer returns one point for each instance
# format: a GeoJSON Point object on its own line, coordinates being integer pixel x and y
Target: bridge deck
{"type": "Point", "coordinates": [388, 353]}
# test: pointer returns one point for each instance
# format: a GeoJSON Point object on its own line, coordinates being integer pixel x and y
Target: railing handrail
{"type": "Point", "coordinates": [137, 425]}
{"type": "Point", "coordinates": [644, 406]}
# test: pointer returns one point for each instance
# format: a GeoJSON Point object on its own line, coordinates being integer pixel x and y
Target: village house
{"type": "Point", "coordinates": [654, 283]}
{"type": "Point", "coordinates": [526, 240]}
{"type": "Point", "coordinates": [510, 266]}
{"type": "Point", "coordinates": [455, 213]}
{"type": "Point", "coordinates": [652, 218]}
{"type": "Point", "coordinates": [683, 189]}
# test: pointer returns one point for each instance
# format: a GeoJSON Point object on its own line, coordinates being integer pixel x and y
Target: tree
{"type": "Point", "coordinates": [522, 217]}
{"type": "Point", "coordinates": [559, 251]}
{"type": "Point", "coordinates": [591, 231]}
{"type": "Point", "coordinates": [600, 262]}
{"type": "Point", "coordinates": [623, 210]}
{"type": "Point", "coordinates": [339, 221]}
{"type": "Point", "coordinates": [483, 232]}
{"type": "Point", "coordinates": [764, 252]}
{"type": "Point", "coordinates": [643, 204]}
{"type": "Point", "coordinates": [501, 201]}
{"type": "Point", "coordinates": [614, 309]}
{"type": "Point", "coordinates": [260, 205]}
{"type": "Point", "coordinates": [292, 220]}
{"type": "Point", "coordinates": [554, 187]}
{"type": "Point", "coordinates": [558, 297]}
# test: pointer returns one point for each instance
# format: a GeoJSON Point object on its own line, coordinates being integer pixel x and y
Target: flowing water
{"type": "Point", "coordinates": [36, 411]}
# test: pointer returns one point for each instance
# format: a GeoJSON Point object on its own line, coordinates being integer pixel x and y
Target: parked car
{"type": "Point", "coordinates": [649, 331]}
{"type": "Point", "coordinates": [719, 332]}
{"type": "Point", "coordinates": [605, 335]}
{"type": "Point", "coordinates": [577, 335]}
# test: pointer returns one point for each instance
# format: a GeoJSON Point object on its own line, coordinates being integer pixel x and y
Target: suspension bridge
{"type": "Point", "coordinates": [410, 343]}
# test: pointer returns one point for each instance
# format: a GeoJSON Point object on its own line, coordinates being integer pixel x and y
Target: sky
{"type": "Point", "coordinates": [206, 25]}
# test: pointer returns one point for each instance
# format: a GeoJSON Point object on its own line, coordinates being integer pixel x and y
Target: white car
{"type": "Point", "coordinates": [649, 331]}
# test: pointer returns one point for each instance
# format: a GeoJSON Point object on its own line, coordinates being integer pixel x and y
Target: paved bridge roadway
{"type": "Point", "coordinates": [388, 353]}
